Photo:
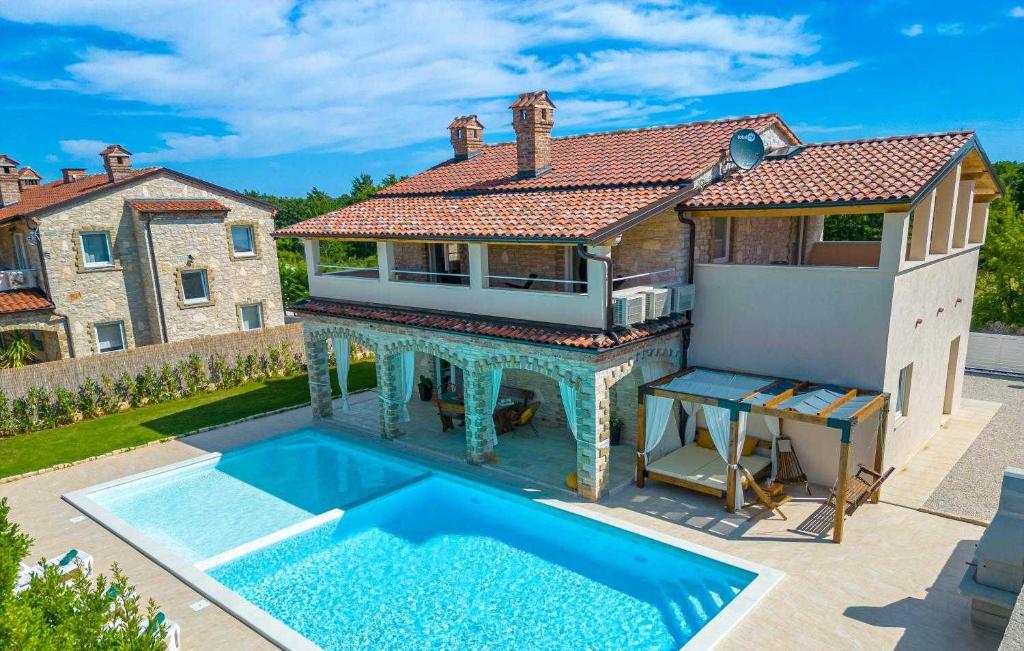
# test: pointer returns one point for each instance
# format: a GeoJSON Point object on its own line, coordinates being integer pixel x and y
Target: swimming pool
{"type": "Point", "coordinates": [317, 540]}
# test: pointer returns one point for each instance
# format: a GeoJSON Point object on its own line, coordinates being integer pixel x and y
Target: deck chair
{"type": "Point", "coordinates": [859, 488]}
{"type": "Point", "coordinates": [448, 412]}
{"type": "Point", "coordinates": [789, 471]}
{"type": "Point", "coordinates": [525, 417]}
{"type": "Point", "coordinates": [763, 498]}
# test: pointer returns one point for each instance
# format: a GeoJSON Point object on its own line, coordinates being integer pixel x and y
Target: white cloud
{"type": "Point", "coordinates": [284, 76]}
{"type": "Point", "coordinates": [83, 149]}
{"type": "Point", "coordinates": [1017, 12]}
{"type": "Point", "coordinates": [913, 30]}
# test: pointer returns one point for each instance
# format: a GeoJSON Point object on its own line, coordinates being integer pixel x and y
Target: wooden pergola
{"type": "Point", "coordinates": [830, 406]}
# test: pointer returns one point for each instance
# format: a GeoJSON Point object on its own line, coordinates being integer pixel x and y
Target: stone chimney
{"type": "Point", "coordinates": [28, 177]}
{"type": "Point", "coordinates": [533, 115]}
{"type": "Point", "coordinates": [467, 136]}
{"type": "Point", "coordinates": [117, 161]}
{"type": "Point", "coordinates": [10, 189]}
{"type": "Point", "coordinates": [72, 174]}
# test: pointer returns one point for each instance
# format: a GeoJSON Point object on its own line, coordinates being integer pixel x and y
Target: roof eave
{"type": "Point", "coordinates": [972, 144]}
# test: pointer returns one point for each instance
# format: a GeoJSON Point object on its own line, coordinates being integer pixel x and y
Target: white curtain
{"type": "Point", "coordinates": [657, 410]}
{"type": "Point", "coordinates": [568, 393]}
{"type": "Point", "coordinates": [691, 409]}
{"type": "Point", "coordinates": [406, 366]}
{"type": "Point", "coordinates": [772, 422]}
{"type": "Point", "coordinates": [342, 352]}
{"type": "Point", "coordinates": [493, 404]}
{"type": "Point", "coordinates": [718, 422]}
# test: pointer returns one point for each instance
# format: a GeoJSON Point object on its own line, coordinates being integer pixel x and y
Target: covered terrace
{"type": "Point", "coordinates": [727, 398]}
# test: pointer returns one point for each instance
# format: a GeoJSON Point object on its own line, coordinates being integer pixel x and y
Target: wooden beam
{"type": "Point", "coordinates": [641, 439]}
{"type": "Point", "coordinates": [883, 427]}
{"type": "Point", "coordinates": [973, 176]}
{"type": "Point", "coordinates": [841, 486]}
{"type": "Point", "coordinates": [985, 197]}
{"type": "Point", "coordinates": [666, 379]}
{"type": "Point", "coordinates": [786, 395]}
{"type": "Point", "coordinates": [759, 390]}
{"type": "Point", "coordinates": [840, 401]}
{"type": "Point", "coordinates": [876, 403]}
{"type": "Point", "coordinates": [812, 210]}
{"type": "Point", "coordinates": [734, 459]}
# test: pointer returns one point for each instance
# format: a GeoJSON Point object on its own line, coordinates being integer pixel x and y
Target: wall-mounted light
{"type": "Point", "coordinates": [918, 322]}
{"type": "Point", "coordinates": [958, 301]}
{"type": "Point", "coordinates": [191, 260]}
{"type": "Point", "coordinates": [940, 311]}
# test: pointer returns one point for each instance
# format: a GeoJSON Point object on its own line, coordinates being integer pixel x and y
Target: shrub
{"type": "Point", "coordinates": [53, 613]}
{"type": "Point", "coordinates": [292, 361]}
{"type": "Point", "coordinates": [166, 385]}
{"type": "Point", "coordinates": [124, 390]}
{"type": "Point", "coordinates": [109, 402]}
{"type": "Point", "coordinates": [218, 370]}
{"type": "Point", "coordinates": [7, 427]}
{"type": "Point", "coordinates": [42, 412]}
{"type": "Point", "coordinates": [89, 396]}
{"type": "Point", "coordinates": [147, 387]}
{"type": "Point", "coordinates": [65, 407]}
{"type": "Point", "coordinates": [194, 374]}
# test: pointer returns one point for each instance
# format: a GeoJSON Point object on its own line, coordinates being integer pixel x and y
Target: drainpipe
{"type": "Point", "coordinates": [45, 280]}
{"type": "Point", "coordinates": [156, 282]}
{"type": "Point", "coordinates": [690, 260]}
{"type": "Point", "coordinates": [606, 260]}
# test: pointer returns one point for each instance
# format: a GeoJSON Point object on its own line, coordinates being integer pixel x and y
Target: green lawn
{"type": "Point", "coordinates": [27, 452]}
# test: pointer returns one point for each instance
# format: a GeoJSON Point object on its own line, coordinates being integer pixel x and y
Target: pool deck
{"type": "Point", "coordinates": [892, 584]}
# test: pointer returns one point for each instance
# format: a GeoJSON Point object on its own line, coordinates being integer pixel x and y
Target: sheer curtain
{"type": "Point", "coordinates": [342, 351]}
{"type": "Point", "coordinates": [691, 409]}
{"type": "Point", "coordinates": [568, 393]}
{"type": "Point", "coordinates": [406, 366]}
{"type": "Point", "coordinates": [657, 410]}
{"type": "Point", "coordinates": [718, 422]}
{"type": "Point", "coordinates": [492, 434]}
{"type": "Point", "coordinates": [772, 422]}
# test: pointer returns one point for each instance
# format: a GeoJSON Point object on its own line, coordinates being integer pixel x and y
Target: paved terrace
{"type": "Point", "coordinates": [891, 584]}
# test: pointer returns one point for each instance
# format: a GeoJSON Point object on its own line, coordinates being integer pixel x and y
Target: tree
{"type": "Point", "coordinates": [999, 296]}
{"type": "Point", "coordinates": [54, 613]}
{"type": "Point", "coordinates": [17, 353]}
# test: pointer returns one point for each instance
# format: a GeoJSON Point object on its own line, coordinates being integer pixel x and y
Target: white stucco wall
{"type": "Point", "coordinates": [919, 294]}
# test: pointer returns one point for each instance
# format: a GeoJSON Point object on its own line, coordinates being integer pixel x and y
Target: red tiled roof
{"type": "Point", "coordinates": [40, 197]}
{"type": "Point", "coordinates": [177, 205]}
{"type": "Point", "coordinates": [480, 326]}
{"type": "Point", "coordinates": [876, 170]}
{"type": "Point", "coordinates": [23, 300]}
{"type": "Point", "coordinates": [551, 215]}
{"type": "Point", "coordinates": [634, 157]}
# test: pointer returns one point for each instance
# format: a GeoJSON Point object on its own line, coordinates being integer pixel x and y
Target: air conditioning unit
{"type": "Point", "coordinates": [629, 307]}
{"type": "Point", "coordinates": [659, 302]}
{"type": "Point", "coordinates": [682, 298]}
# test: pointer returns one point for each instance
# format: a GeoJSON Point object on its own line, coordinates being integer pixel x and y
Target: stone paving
{"type": "Point", "coordinates": [971, 488]}
{"type": "Point", "coordinates": [891, 584]}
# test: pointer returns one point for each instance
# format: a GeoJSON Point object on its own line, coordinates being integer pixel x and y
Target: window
{"type": "Point", "coordinates": [903, 391]}
{"type": "Point", "coordinates": [110, 337]}
{"type": "Point", "coordinates": [243, 241]}
{"type": "Point", "coordinates": [251, 316]}
{"type": "Point", "coordinates": [20, 251]}
{"type": "Point", "coordinates": [720, 227]}
{"type": "Point", "coordinates": [96, 249]}
{"type": "Point", "coordinates": [194, 288]}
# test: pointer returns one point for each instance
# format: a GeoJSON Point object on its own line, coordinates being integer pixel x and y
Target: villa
{"type": "Point", "coordinates": [567, 273]}
{"type": "Point", "coordinates": [100, 263]}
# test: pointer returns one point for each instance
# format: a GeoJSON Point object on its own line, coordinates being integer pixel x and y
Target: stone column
{"type": "Point", "coordinates": [592, 431]}
{"type": "Point", "coordinates": [390, 407]}
{"type": "Point", "coordinates": [319, 376]}
{"type": "Point", "coordinates": [479, 421]}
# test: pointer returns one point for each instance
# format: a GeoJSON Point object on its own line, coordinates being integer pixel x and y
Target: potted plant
{"type": "Point", "coordinates": [615, 427]}
{"type": "Point", "coordinates": [426, 387]}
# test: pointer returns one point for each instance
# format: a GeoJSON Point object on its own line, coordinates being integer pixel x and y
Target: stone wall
{"type": "Point", "coordinates": [124, 291]}
{"type": "Point", "coordinates": [71, 373]}
{"type": "Point", "coordinates": [653, 245]}
{"type": "Point", "coordinates": [763, 240]}
{"type": "Point", "coordinates": [521, 260]}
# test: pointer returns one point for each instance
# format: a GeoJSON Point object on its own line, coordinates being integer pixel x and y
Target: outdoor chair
{"type": "Point", "coordinates": [769, 502]}
{"type": "Point", "coordinates": [526, 285]}
{"type": "Point", "coordinates": [859, 488]}
{"type": "Point", "coordinates": [790, 471]}
{"type": "Point", "coordinates": [448, 412]}
{"type": "Point", "coordinates": [525, 417]}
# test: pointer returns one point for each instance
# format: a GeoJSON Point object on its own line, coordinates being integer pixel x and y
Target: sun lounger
{"type": "Point", "coordinates": [769, 502]}
{"type": "Point", "coordinates": [72, 563]}
{"type": "Point", "coordinates": [172, 635]}
{"type": "Point", "coordinates": [701, 469]}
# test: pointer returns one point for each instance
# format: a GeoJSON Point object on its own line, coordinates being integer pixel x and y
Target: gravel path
{"type": "Point", "coordinates": [972, 487]}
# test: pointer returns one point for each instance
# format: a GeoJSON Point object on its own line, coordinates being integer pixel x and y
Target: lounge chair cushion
{"type": "Point", "coordinates": [699, 465]}
{"type": "Point", "coordinates": [704, 439]}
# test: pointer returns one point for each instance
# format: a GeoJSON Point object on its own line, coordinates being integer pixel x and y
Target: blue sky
{"type": "Point", "coordinates": [283, 95]}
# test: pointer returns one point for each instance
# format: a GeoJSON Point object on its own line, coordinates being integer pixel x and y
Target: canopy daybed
{"type": "Point", "coordinates": [727, 399]}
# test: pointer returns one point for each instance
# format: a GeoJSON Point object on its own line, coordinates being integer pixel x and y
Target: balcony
{"type": "Point", "coordinates": [18, 279]}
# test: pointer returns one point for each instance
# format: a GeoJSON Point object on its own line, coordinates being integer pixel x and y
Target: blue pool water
{"type": "Point", "coordinates": [422, 559]}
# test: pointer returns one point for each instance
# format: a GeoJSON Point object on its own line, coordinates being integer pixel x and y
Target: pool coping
{"type": "Point", "coordinates": [285, 637]}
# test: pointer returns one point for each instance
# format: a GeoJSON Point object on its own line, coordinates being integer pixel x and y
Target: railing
{"type": "Point", "coordinates": [645, 278]}
{"type": "Point", "coordinates": [535, 283]}
{"type": "Point", "coordinates": [18, 279]}
{"type": "Point", "coordinates": [444, 277]}
{"type": "Point", "coordinates": [349, 272]}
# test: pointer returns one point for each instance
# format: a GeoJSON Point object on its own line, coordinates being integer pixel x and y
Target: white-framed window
{"type": "Point", "coordinates": [251, 316]}
{"type": "Point", "coordinates": [903, 391]}
{"type": "Point", "coordinates": [243, 240]}
{"type": "Point", "coordinates": [96, 249]}
{"type": "Point", "coordinates": [20, 250]}
{"type": "Point", "coordinates": [194, 286]}
{"type": "Point", "coordinates": [110, 337]}
{"type": "Point", "coordinates": [720, 238]}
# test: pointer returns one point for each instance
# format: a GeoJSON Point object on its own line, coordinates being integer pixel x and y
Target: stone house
{"type": "Point", "coordinates": [518, 266]}
{"type": "Point", "coordinates": [98, 263]}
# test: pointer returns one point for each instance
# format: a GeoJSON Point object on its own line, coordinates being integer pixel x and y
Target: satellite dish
{"type": "Point", "coordinates": [746, 149]}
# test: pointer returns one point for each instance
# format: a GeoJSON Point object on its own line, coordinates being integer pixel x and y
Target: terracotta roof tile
{"type": "Point", "coordinates": [23, 300]}
{"type": "Point", "coordinates": [40, 197]}
{"type": "Point", "coordinates": [882, 169]}
{"type": "Point", "coordinates": [177, 205]}
{"type": "Point", "coordinates": [468, 324]}
{"type": "Point", "coordinates": [637, 156]}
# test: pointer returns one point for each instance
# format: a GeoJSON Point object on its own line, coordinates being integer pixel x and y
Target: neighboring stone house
{"type": "Point", "coordinates": [521, 263]}
{"type": "Point", "coordinates": [97, 263]}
